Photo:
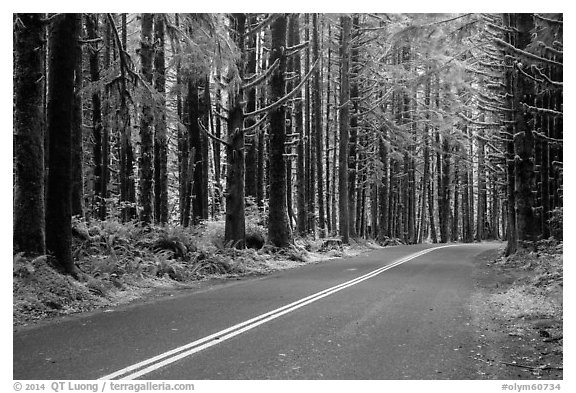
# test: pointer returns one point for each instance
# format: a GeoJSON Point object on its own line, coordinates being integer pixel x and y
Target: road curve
{"type": "Point", "coordinates": [364, 317]}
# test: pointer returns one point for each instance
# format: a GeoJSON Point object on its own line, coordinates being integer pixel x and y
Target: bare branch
{"type": "Point", "coordinates": [261, 78]}
{"type": "Point", "coordinates": [257, 124]}
{"type": "Point", "coordinates": [524, 53]}
{"type": "Point", "coordinates": [266, 22]}
{"type": "Point", "coordinates": [293, 49]}
{"type": "Point", "coordinates": [542, 110]}
{"type": "Point", "coordinates": [222, 141]}
{"type": "Point", "coordinates": [553, 83]}
{"type": "Point", "coordinates": [561, 22]}
{"type": "Point", "coordinates": [287, 96]}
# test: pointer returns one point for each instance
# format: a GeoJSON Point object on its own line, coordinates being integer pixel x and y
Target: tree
{"type": "Point", "coordinates": [63, 35]}
{"type": "Point", "coordinates": [279, 233]}
{"type": "Point", "coordinates": [99, 203]}
{"type": "Point", "coordinates": [77, 150]}
{"type": "Point", "coordinates": [160, 136]}
{"type": "Point", "coordinates": [146, 141]}
{"type": "Point", "coordinates": [29, 235]}
{"type": "Point", "coordinates": [235, 228]}
{"type": "Point", "coordinates": [317, 125]}
{"type": "Point", "coordinates": [524, 139]}
{"type": "Point", "coordinates": [345, 23]}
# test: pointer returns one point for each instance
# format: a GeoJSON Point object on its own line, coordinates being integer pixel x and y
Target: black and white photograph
{"type": "Point", "coordinates": [319, 196]}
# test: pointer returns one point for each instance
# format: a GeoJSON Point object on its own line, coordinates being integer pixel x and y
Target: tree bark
{"type": "Point", "coordinates": [160, 134]}
{"type": "Point", "coordinates": [64, 32]}
{"type": "Point", "coordinates": [346, 24]}
{"type": "Point", "coordinates": [511, 232]}
{"type": "Point", "coordinates": [99, 203]}
{"type": "Point", "coordinates": [279, 233]}
{"type": "Point", "coordinates": [352, 165]}
{"type": "Point", "coordinates": [301, 206]}
{"type": "Point", "coordinates": [317, 104]}
{"type": "Point", "coordinates": [77, 134]}
{"type": "Point", "coordinates": [235, 227]}
{"type": "Point", "coordinates": [29, 219]}
{"type": "Point", "coordinates": [146, 120]}
{"type": "Point", "coordinates": [524, 141]}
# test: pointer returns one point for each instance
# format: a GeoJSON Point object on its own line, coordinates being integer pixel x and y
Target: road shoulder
{"type": "Point", "coordinates": [517, 315]}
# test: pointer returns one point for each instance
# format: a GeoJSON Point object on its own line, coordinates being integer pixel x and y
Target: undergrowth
{"type": "Point", "coordinates": [119, 262]}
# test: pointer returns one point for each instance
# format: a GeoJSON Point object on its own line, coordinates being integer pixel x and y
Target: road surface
{"type": "Point", "coordinates": [396, 313]}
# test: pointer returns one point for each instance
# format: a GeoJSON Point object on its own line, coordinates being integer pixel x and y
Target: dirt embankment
{"type": "Point", "coordinates": [517, 313]}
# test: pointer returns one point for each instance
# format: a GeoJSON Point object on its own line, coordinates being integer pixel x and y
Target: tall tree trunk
{"type": "Point", "coordinates": [106, 124]}
{"type": "Point", "coordinates": [261, 173]}
{"type": "Point", "coordinates": [327, 136]}
{"type": "Point", "coordinates": [456, 208]}
{"type": "Point", "coordinates": [301, 206]}
{"type": "Point", "coordinates": [467, 234]}
{"type": "Point", "coordinates": [383, 197]}
{"type": "Point", "coordinates": [352, 164]}
{"type": "Point", "coordinates": [524, 140]}
{"type": "Point", "coordinates": [64, 32]}
{"type": "Point", "coordinates": [235, 227]}
{"type": "Point", "coordinates": [511, 232]}
{"type": "Point", "coordinates": [345, 38]}
{"type": "Point", "coordinates": [99, 203]}
{"type": "Point", "coordinates": [77, 134]}
{"type": "Point", "coordinates": [310, 151]}
{"type": "Point", "coordinates": [217, 202]}
{"type": "Point", "coordinates": [481, 181]}
{"type": "Point", "coordinates": [250, 97]}
{"type": "Point", "coordinates": [146, 141]}
{"type": "Point", "coordinates": [445, 200]}
{"type": "Point", "coordinates": [127, 184]}
{"type": "Point", "coordinates": [160, 134]}
{"type": "Point", "coordinates": [199, 142]}
{"type": "Point", "coordinates": [279, 233]}
{"type": "Point", "coordinates": [317, 104]}
{"type": "Point", "coordinates": [29, 219]}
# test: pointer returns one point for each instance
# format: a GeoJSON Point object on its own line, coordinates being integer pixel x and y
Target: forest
{"type": "Point", "coordinates": [399, 128]}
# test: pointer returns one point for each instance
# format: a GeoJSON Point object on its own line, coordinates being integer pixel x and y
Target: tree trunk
{"type": "Point", "coordinates": [352, 164]}
{"type": "Point", "coordinates": [524, 141]}
{"type": "Point", "coordinates": [77, 143]}
{"type": "Point", "coordinates": [250, 97]}
{"type": "Point", "coordinates": [445, 200]}
{"type": "Point", "coordinates": [511, 232]}
{"type": "Point", "coordinates": [278, 226]}
{"type": "Point", "coordinates": [146, 141]}
{"type": "Point", "coordinates": [106, 125]}
{"type": "Point", "coordinates": [235, 230]}
{"type": "Point", "coordinates": [481, 181]}
{"type": "Point", "coordinates": [383, 197]}
{"type": "Point", "coordinates": [317, 104]}
{"type": "Point", "coordinates": [99, 203]}
{"type": "Point", "coordinates": [235, 227]}
{"type": "Point", "coordinates": [456, 208]}
{"type": "Point", "coordinates": [64, 32]}
{"type": "Point", "coordinates": [29, 219]}
{"type": "Point", "coordinates": [160, 134]}
{"type": "Point", "coordinates": [127, 185]}
{"type": "Point", "coordinates": [301, 206]}
{"type": "Point", "coordinates": [327, 141]}
{"type": "Point", "coordinates": [345, 37]}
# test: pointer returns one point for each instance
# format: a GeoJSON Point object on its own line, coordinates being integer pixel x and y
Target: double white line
{"type": "Point", "coordinates": [147, 366]}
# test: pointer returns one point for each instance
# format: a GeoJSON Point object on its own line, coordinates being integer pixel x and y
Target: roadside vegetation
{"type": "Point", "coordinates": [120, 263]}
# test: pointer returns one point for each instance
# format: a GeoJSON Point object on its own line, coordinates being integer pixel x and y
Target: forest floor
{"type": "Point", "coordinates": [122, 263]}
{"type": "Point", "coordinates": [518, 313]}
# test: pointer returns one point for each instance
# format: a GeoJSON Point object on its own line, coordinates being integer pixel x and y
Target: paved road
{"type": "Point", "coordinates": [405, 321]}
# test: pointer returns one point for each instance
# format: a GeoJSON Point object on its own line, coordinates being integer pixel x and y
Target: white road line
{"type": "Point", "coordinates": [166, 358]}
